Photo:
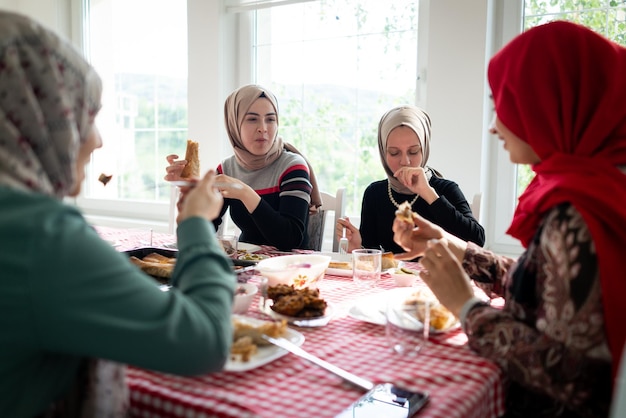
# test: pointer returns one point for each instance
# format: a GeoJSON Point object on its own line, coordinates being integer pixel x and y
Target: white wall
{"type": "Point", "coordinates": [52, 13]}
{"type": "Point", "coordinates": [456, 77]}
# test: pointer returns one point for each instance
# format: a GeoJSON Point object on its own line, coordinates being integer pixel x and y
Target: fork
{"type": "Point", "coordinates": [343, 243]}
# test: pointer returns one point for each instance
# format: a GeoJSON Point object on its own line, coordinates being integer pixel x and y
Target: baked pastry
{"type": "Point", "coordinates": [192, 168]}
{"type": "Point", "coordinates": [155, 265]}
{"type": "Point", "coordinates": [247, 337]}
{"type": "Point", "coordinates": [104, 178]}
{"type": "Point", "coordinates": [388, 262]}
{"type": "Point", "coordinates": [342, 265]}
{"type": "Point", "coordinates": [440, 317]}
{"type": "Point", "coordinates": [301, 303]}
{"type": "Point", "coordinates": [405, 212]}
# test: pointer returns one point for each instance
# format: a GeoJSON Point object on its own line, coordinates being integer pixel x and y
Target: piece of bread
{"type": "Point", "coordinates": [155, 265]}
{"type": "Point", "coordinates": [388, 262]}
{"type": "Point", "coordinates": [342, 265]}
{"type": "Point", "coordinates": [192, 168]}
{"type": "Point", "coordinates": [104, 178]}
{"type": "Point", "coordinates": [405, 212]}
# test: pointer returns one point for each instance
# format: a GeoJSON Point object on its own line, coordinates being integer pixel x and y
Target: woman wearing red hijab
{"type": "Point", "coordinates": [560, 98]}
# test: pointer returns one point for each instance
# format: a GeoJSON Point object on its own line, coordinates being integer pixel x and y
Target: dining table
{"type": "Point", "coordinates": [459, 382]}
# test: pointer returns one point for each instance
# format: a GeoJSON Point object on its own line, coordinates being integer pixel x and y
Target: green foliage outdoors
{"type": "Point", "coordinates": [607, 17]}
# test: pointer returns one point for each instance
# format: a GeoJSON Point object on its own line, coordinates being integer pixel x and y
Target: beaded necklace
{"type": "Point", "coordinates": [396, 204]}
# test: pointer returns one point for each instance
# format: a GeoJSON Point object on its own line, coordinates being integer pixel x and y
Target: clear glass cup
{"type": "Point", "coordinates": [366, 266]}
{"type": "Point", "coordinates": [229, 243]}
{"type": "Point", "coordinates": [405, 318]}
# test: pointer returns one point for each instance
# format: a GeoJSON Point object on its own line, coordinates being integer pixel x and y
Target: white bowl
{"type": "Point", "coordinates": [244, 293]}
{"type": "Point", "coordinates": [403, 277]}
{"type": "Point", "coordinates": [299, 270]}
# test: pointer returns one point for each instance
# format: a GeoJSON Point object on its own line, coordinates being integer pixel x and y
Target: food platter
{"type": "Point", "coordinates": [264, 354]}
{"type": "Point", "coordinates": [265, 306]}
{"type": "Point", "coordinates": [371, 308]}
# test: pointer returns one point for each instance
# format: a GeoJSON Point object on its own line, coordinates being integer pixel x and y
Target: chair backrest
{"type": "Point", "coordinates": [475, 205]}
{"type": "Point", "coordinates": [319, 228]}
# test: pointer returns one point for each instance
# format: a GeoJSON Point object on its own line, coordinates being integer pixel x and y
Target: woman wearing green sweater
{"type": "Point", "coordinates": [71, 305]}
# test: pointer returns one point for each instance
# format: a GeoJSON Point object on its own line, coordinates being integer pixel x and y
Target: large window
{"type": "Point", "coordinates": [143, 64]}
{"type": "Point", "coordinates": [336, 67]}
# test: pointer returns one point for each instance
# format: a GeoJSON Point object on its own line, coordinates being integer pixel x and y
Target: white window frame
{"type": "Point", "coordinates": [501, 175]}
{"type": "Point", "coordinates": [226, 62]}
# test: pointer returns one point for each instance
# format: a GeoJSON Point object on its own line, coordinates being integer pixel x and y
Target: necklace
{"type": "Point", "coordinates": [396, 204]}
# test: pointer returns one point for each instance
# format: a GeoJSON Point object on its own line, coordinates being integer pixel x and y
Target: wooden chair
{"type": "Point", "coordinates": [475, 205]}
{"type": "Point", "coordinates": [318, 226]}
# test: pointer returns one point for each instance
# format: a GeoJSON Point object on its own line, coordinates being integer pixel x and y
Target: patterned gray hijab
{"type": "Point", "coordinates": [414, 118]}
{"type": "Point", "coordinates": [49, 96]}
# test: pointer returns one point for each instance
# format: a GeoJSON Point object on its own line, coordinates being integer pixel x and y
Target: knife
{"type": "Point", "coordinates": [294, 349]}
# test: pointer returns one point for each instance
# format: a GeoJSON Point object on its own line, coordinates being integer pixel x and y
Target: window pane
{"type": "Point", "coordinates": [143, 64]}
{"type": "Point", "coordinates": [336, 67]}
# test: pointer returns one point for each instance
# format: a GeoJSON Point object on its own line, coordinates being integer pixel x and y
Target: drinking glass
{"type": "Point", "coordinates": [366, 264]}
{"type": "Point", "coordinates": [229, 243]}
{"type": "Point", "coordinates": [406, 316]}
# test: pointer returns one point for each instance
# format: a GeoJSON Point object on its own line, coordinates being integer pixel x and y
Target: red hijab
{"type": "Point", "coordinates": [561, 88]}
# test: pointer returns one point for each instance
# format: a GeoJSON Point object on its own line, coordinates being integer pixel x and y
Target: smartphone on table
{"type": "Point", "coordinates": [386, 400]}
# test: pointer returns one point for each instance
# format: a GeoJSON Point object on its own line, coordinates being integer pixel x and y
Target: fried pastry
{"type": "Point", "coordinates": [192, 168]}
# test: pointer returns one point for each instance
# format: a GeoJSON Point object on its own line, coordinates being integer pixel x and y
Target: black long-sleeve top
{"type": "Point", "coordinates": [450, 211]}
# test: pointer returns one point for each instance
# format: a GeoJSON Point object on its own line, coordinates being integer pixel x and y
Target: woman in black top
{"type": "Point", "coordinates": [404, 146]}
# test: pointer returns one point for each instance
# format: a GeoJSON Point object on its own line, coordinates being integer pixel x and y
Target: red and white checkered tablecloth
{"type": "Point", "coordinates": [460, 383]}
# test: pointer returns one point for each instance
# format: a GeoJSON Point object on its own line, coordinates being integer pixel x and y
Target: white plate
{"type": "Point", "coordinates": [264, 354]}
{"type": "Point", "coordinates": [244, 246]}
{"type": "Point", "coordinates": [371, 308]}
{"type": "Point", "coordinates": [339, 258]}
{"type": "Point", "coordinates": [318, 321]}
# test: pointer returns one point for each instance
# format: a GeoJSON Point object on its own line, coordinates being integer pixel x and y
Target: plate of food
{"type": "Point", "coordinates": [246, 247]}
{"type": "Point", "coordinates": [249, 351]}
{"type": "Point", "coordinates": [340, 264]}
{"type": "Point", "coordinates": [300, 307]}
{"type": "Point", "coordinates": [371, 308]}
{"type": "Point", "coordinates": [251, 256]}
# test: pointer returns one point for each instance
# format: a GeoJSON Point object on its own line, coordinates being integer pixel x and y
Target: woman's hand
{"type": "Point", "coordinates": [239, 191]}
{"type": "Point", "coordinates": [415, 179]}
{"type": "Point", "coordinates": [174, 168]}
{"type": "Point", "coordinates": [352, 233]}
{"type": "Point", "coordinates": [413, 238]}
{"type": "Point", "coordinates": [202, 199]}
{"type": "Point", "coordinates": [445, 276]}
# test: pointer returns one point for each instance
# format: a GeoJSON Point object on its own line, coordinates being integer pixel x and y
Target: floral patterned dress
{"type": "Point", "coordinates": [549, 339]}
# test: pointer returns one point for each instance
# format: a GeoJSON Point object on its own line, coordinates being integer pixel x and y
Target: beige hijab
{"type": "Point", "coordinates": [235, 109]}
{"type": "Point", "coordinates": [49, 96]}
{"type": "Point", "coordinates": [414, 118]}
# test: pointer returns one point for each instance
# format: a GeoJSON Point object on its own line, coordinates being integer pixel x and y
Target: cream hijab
{"type": "Point", "coordinates": [414, 118]}
{"type": "Point", "coordinates": [49, 96]}
{"type": "Point", "coordinates": [235, 109]}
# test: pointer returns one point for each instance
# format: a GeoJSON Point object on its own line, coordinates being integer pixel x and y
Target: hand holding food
{"type": "Point", "coordinates": [192, 168]}
{"type": "Point", "coordinates": [186, 169]}
{"type": "Point", "coordinates": [202, 200]}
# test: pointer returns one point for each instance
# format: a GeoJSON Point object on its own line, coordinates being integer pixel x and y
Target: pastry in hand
{"type": "Point", "coordinates": [405, 213]}
{"type": "Point", "coordinates": [192, 168]}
